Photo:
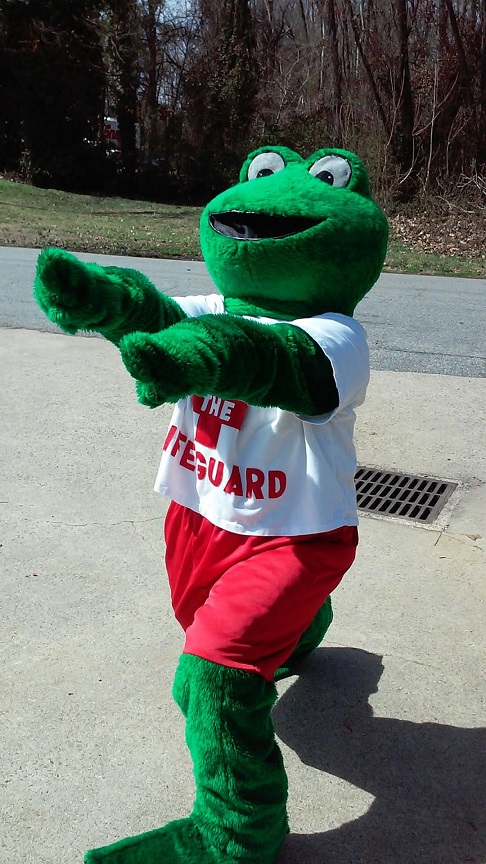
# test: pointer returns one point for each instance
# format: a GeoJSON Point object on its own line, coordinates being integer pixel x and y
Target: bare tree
{"type": "Point", "coordinates": [482, 92]}
{"type": "Point", "coordinates": [120, 25]}
{"type": "Point", "coordinates": [403, 81]}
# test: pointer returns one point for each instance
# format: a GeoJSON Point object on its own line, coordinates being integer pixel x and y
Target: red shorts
{"type": "Point", "coordinates": [244, 601]}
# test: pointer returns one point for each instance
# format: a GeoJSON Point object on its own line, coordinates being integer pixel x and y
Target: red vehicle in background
{"type": "Point", "coordinates": [113, 138]}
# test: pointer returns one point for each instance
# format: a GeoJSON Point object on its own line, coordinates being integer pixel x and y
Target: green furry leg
{"type": "Point", "coordinates": [309, 640]}
{"type": "Point", "coordinates": [239, 814]}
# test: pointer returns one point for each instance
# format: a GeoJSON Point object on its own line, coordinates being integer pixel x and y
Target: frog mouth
{"type": "Point", "coordinates": [259, 226]}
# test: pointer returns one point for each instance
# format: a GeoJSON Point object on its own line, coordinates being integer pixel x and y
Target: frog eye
{"type": "Point", "coordinates": [265, 164]}
{"type": "Point", "coordinates": [333, 170]}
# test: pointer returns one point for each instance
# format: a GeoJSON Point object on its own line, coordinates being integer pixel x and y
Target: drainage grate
{"type": "Point", "coordinates": [402, 495]}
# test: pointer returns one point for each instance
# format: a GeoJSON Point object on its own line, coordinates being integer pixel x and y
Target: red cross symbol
{"type": "Point", "coordinates": [215, 413]}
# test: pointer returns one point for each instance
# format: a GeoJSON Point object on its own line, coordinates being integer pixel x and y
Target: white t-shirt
{"type": "Point", "coordinates": [266, 471]}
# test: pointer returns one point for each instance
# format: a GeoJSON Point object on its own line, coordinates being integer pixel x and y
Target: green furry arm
{"type": "Point", "coordinates": [234, 358]}
{"type": "Point", "coordinates": [113, 301]}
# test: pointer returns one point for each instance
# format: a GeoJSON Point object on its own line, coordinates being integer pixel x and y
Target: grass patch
{"type": "Point", "coordinates": [118, 226]}
{"type": "Point", "coordinates": [401, 259]}
{"type": "Point", "coordinates": [87, 223]}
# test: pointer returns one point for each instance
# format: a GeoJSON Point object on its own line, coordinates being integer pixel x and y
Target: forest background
{"type": "Point", "coordinates": [196, 84]}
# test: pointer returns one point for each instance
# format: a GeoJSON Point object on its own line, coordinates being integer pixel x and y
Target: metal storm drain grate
{"type": "Point", "coordinates": [401, 495]}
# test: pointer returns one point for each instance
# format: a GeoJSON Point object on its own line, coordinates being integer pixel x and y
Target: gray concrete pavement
{"type": "Point", "coordinates": [382, 736]}
{"type": "Point", "coordinates": [414, 323]}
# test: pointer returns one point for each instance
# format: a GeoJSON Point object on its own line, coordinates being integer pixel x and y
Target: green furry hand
{"type": "Point", "coordinates": [166, 365]}
{"type": "Point", "coordinates": [232, 358]}
{"type": "Point", "coordinates": [113, 301]}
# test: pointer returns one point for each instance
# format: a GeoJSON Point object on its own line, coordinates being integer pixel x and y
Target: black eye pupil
{"type": "Point", "coordinates": [264, 172]}
{"type": "Point", "coordinates": [326, 177]}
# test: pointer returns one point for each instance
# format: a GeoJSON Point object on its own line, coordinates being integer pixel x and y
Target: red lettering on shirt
{"type": "Point", "coordinates": [201, 465]}
{"type": "Point", "coordinates": [215, 477]}
{"type": "Point", "coordinates": [188, 458]}
{"type": "Point", "coordinates": [254, 483]}
{"type": "Point", "coordinates": [277, 484]}
{"type": "Point", "coordinates": [169, 437]}
{"type": "Point", "coordinates": [215, 413]}
{"type": "Point", "coordinates": [181, 438]}
{"type": "Point", "coordinates": [234, 484]}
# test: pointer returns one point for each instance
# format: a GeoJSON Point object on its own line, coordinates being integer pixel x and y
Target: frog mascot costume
{"type": "Point", "coordinates": [258, 463]}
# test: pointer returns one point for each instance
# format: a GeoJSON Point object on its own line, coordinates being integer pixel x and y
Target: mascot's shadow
{"type": "Point", "coordinates": [428, 779]}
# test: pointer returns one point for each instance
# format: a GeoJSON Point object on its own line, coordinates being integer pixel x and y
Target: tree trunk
{"type": "Point", "coordinates": [482, 94]}
{"type": "Point", "coordinates": [403, 135]}
{"type": "Point", "coordinates": [152, 77]}
{"type": "Point", "coordinates": [369, 72]}
{"type": "Point", "coordinates": [336, 91]}
{"type": "Point", "coordinates": [124, 12]}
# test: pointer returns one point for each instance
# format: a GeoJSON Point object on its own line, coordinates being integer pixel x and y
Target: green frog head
{"type": "Point", "coordinates": [295, 236]}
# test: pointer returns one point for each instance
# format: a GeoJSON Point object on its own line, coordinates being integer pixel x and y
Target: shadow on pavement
{"type": "Point", "coordinates": [428, 779]}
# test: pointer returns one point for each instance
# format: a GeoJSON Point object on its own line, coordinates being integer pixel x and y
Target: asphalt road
{"type": "Point", "coordinates": [414, 323]}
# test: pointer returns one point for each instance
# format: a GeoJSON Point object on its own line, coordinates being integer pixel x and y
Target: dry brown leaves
{"type": "Point", "coordinates": [452, 233]}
